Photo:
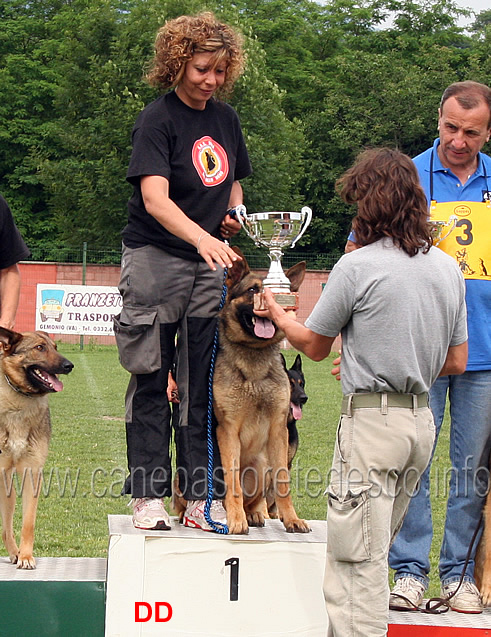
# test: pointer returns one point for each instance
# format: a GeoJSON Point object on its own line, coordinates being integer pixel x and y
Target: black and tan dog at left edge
{"type": "Point", "coordinates": [251, 395]}
{"type": "Point", "coordinates": [29, 368]}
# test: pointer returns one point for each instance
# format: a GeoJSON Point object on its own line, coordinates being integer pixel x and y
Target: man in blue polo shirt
{"type": "Point", "coordinates": [456, 178]}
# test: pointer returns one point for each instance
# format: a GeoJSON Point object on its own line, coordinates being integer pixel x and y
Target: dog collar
{"type": "Point", "coordinates": [19, 391]}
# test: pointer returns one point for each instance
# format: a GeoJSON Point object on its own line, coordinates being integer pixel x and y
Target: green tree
{"type": "Point", "coordinates": [322, 82]}
{"type": "Point", "coordinates": [482, 21]}
{"type": "Point", "coordinates": [74, 72]}
{"type": "Point", "coordinates": [480, 61]}
{"type": "Point", "coordinates": [83, 166]}
{"type": "Point", "coordinates": [370, 100]}
{"type": "Point", "coordinates": [288, 31]}
{"type": "Point", "coordinates": [27, 85]}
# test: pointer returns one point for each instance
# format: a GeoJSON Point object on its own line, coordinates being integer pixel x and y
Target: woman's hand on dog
{"type": "Point", "coordinates": [215, 251]}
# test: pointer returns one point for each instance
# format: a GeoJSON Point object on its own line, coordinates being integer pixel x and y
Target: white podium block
{"type": "Point", "coordinates": [187, 582]}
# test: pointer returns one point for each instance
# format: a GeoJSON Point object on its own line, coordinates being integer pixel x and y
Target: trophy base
{"type": "Point", "coordinates": [287, 300]}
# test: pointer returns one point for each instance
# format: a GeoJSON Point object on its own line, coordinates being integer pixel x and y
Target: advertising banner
{"type": "Point", "coordinates": [77, 309]}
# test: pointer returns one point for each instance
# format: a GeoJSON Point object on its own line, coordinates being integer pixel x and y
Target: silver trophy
{"type": "Point", "coordinates": [438, 228]}
{"type": "Point", "coordinates": [276, 231]}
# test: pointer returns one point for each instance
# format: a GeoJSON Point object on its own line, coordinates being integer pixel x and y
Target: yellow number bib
{"type": "Point", "coordinates": [466, 235]}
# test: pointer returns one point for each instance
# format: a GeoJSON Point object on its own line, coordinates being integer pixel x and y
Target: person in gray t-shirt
{"type": "Point", "coordinates": [399, 304]}
{"type": "Point", "coordinates": [392, 311]}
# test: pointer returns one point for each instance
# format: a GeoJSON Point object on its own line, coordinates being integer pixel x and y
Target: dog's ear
{"type": "Point", "coordinates": [238, 270]}
{"type": "Point", "coordinates": [283, 360]}
{"type": "Point", "coordinates": [296, 274]}
{"type": "Point", "coordinates": [8, 338]}
{"type": "Point", "coordinates": [297, 365]}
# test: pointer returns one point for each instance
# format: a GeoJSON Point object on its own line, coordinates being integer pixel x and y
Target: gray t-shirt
{"type": "Point", "coordinates": [397, 315]}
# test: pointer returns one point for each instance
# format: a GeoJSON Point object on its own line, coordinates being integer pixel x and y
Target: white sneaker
{"type": "Point", "coordinates": [194, 515]}
{"type": "Point", "coordinates": [466, 600]}
{"type": "Point", "coordinates": [150, 513]}
{"type": "Point", "coordinates": [407, 594]}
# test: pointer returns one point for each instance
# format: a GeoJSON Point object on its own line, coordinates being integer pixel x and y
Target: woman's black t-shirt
{"type": "Point", "coordinates": [200, 153]}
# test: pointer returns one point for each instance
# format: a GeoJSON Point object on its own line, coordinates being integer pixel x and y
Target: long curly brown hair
{"type": "Point", "coordinates": [384, 183]}
{"type": "Point", "coordinates": [179, 39]}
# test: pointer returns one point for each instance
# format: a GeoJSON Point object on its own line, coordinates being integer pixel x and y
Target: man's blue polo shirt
{"type": "Point", "coordinates": [447, 187]}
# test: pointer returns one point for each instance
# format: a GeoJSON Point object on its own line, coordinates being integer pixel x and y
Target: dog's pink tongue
{"type": "Point", "coordinates": [263, 328]}
{"type": "Point", "coordinates": [55, 383]}
{"type": "Point", "coordinates": [296, 411]}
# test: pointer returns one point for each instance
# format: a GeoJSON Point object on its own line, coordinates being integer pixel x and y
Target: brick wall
{"type": "Point", "coordinates": [72, 274]}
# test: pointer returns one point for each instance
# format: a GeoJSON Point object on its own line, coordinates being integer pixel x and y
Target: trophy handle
{"type": "Point", "coordinates": [308, 212]}
{"type": "Point", "coordinates": [452, 222]}
{"type": "Point", "coordinates": [240, 213]}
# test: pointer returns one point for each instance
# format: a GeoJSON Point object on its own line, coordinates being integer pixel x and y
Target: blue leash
{"type": "Point", "coordinates": [218, 527]}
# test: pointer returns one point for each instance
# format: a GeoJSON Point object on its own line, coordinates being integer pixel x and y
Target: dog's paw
{"type": "Point", "coordinates": [486, 597]}
{"type": "Point", "coordinates": [236, 519]}
{"type": "Point", "coordinates": [255, 518]}
{"type": "Point", "coordinates": [12, 548]}
{"type": "Point", "coordinates": [26, 562]}
{"type": "Point", "coordinates": [237, 526]}
{"type": "Point", "coordinates": [297, 526]}
{"type": "Point", "coordinates": [486, 592]}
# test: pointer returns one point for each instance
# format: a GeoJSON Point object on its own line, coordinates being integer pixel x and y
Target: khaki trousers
{"type": "Point", "coordinates": [377, 463]}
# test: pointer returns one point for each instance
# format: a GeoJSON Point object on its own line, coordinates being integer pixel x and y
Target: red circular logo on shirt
{"type": "Point", "coordinates": [210, 161]}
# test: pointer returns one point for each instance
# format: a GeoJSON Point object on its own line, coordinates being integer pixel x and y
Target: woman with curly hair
{"type": "Point", "coordinates": [188, 157]}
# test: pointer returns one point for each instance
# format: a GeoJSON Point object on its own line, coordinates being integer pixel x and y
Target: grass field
{"type": "Point", "coordinates": [87, 462]}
